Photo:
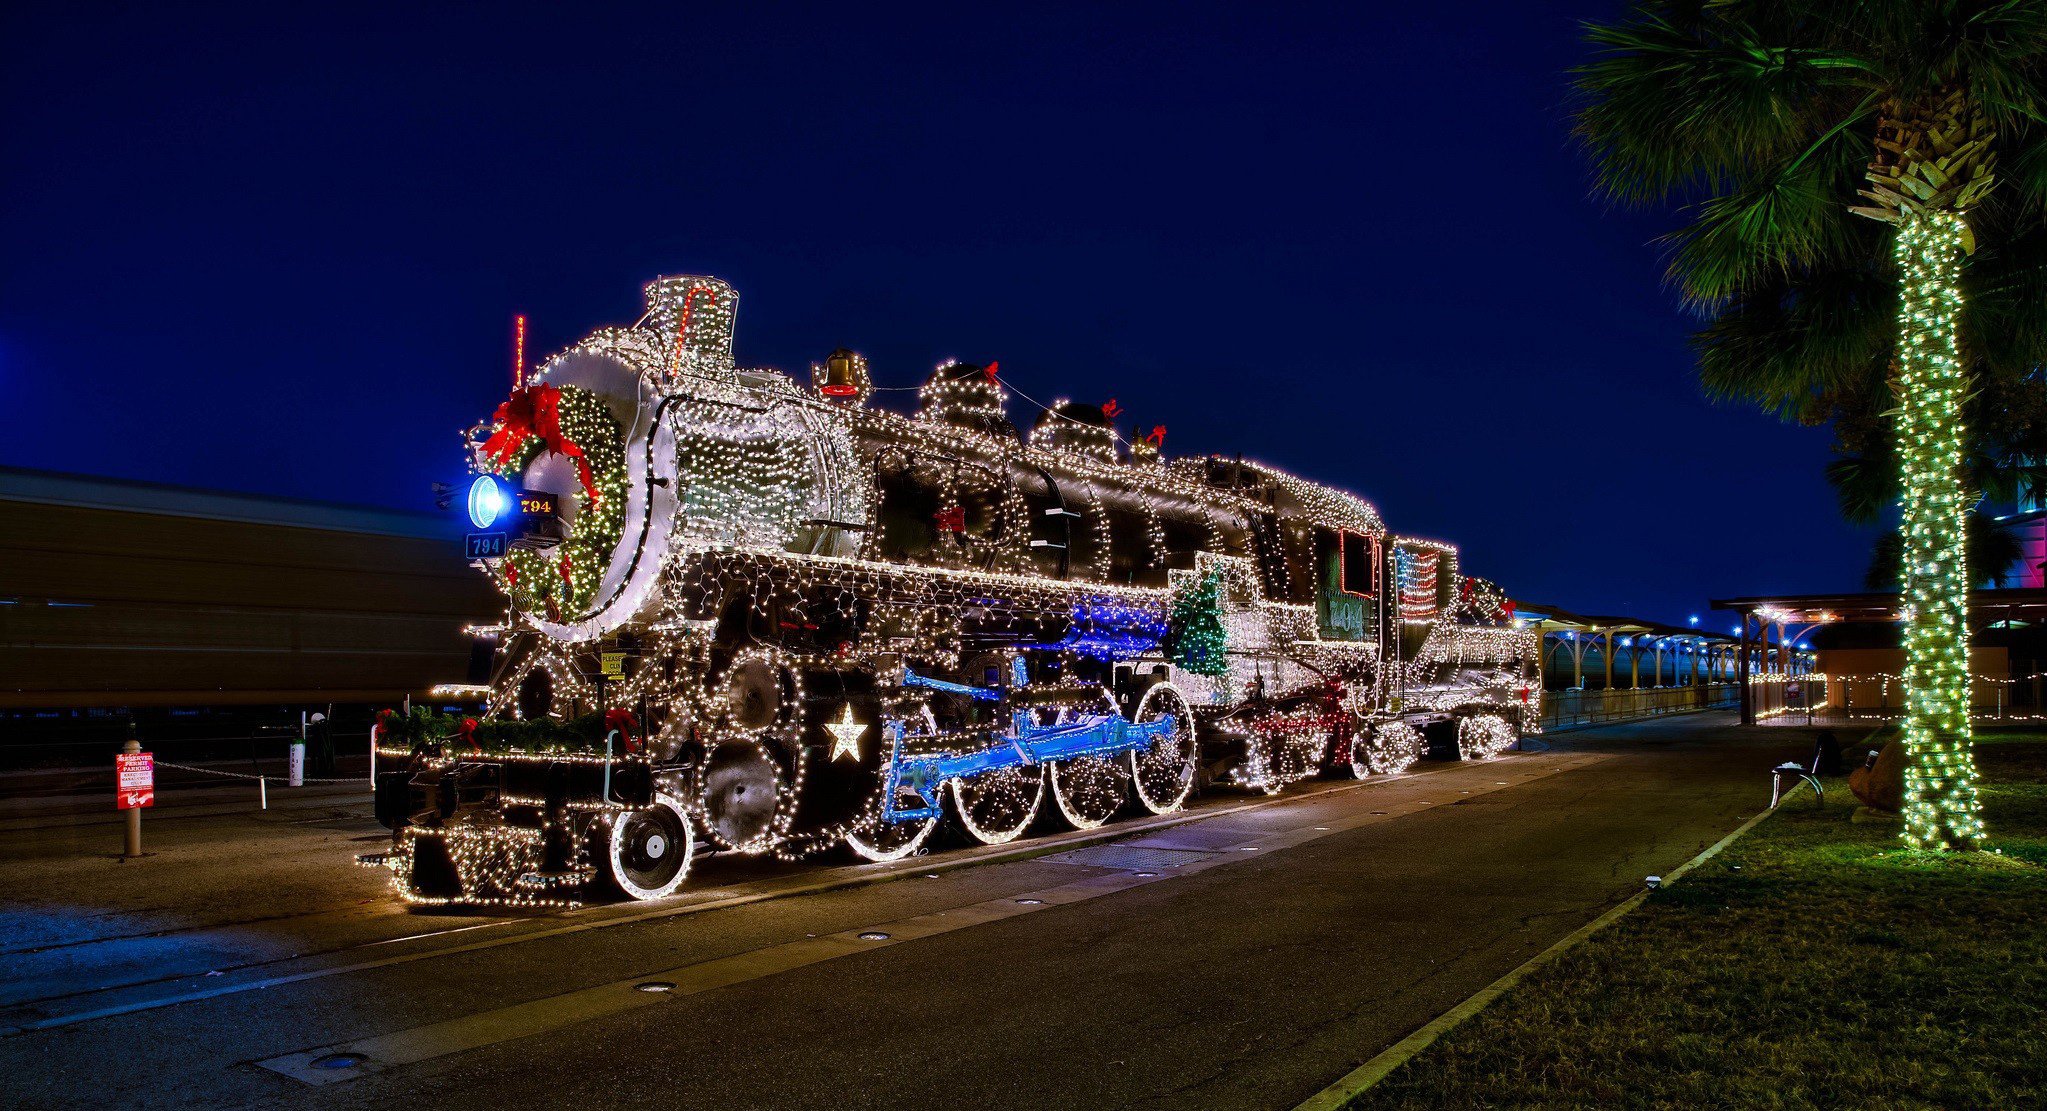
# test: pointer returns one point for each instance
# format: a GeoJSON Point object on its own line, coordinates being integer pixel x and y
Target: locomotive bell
{"type": "Point", "coordinates": [838, 375]}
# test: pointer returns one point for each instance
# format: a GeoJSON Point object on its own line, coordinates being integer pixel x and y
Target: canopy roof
{"type": "Point", "coordinates": [2022, 604]}
{"type": "Point", "coordinates": [1557, 619]}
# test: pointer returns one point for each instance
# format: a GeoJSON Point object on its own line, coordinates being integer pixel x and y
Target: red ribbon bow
{"type": "Point", "coordinates": [622, 722]}
{"type": "Point", "coordinates": [536, 411]}
{"type": "Point", "coordinates": [1158, 436]}
{"type": "Point", "coordinates": [467, 731]}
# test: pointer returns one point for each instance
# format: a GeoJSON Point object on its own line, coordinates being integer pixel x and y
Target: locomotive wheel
{"type": "Point", "coordinates": [1260, 770]}
{"type": "Point", "coordinates": [1390, 749]}
{"type": "Point", "coordinates": [1163, 772]}
{"type": "Point", "coordinates": [996, 807]}
{"type": "Point", "coordinates": [1484, 736]}
{"type": "Point", "coordinates": [882, 841]}
{"type": "Point", "coordinates": [648, 852]}
{"type": "Point", "coordinates": [1359, 758]}
{"type": "Point", "coordinates": [742, 795]}
{"type": "Point", "coordinates": [1090, 789]}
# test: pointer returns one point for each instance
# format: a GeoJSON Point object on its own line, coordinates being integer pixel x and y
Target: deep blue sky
{"type": "Point", "coordinates": [278, 249]}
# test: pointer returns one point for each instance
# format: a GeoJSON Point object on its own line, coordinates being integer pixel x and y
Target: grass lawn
{"type": "Point", "coordinates": [1813, 963]}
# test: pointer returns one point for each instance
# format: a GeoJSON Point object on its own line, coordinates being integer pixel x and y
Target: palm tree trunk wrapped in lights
{"type": "Point", "coordinates": [1931, 166]}
{"type": "Point", "coordinates": [1940, 778]}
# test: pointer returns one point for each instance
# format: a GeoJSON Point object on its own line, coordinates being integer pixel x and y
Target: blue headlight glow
{"type": "Point", "coordinates": [488, 500]}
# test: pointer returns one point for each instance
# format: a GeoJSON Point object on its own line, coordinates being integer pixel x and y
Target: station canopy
{"type": "Point", "coordinates": [1555, 619]}
{"type": "Point", "coordinates": [2027, 605]}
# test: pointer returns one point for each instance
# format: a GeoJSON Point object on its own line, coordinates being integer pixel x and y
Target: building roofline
{"type": "Point", "coordinates": [21, 484]}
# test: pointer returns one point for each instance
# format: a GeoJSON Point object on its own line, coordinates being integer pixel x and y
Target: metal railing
{"type": "Point", "coordinates": [1562, 709]}
{"type": "Point", "coordinates": [1822, 698]}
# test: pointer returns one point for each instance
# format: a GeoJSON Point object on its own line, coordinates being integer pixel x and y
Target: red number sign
{"type": "Point", "coordinates": [134, 780]}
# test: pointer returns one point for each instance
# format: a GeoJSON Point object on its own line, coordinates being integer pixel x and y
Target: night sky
{"type": "Point", "coordinates": [278, 249]}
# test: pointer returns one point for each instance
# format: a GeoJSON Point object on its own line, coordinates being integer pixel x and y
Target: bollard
{"type": "Point", "coordinates": [132, 846]}
{"type": "Point", "coordinates": [262, 793]}
{"type": "Point", "coordinates": [298, 754]}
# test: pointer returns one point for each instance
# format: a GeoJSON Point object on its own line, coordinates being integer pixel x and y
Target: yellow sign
{"type": "Point", "coordinates": [612, 665]}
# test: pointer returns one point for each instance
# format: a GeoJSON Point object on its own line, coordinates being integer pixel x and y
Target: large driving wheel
{"type": "Point", "coordinates": [1090, 789]}
{"type": "Point", "coordinates": [742, 795]}
{"type": "Point", "coordinates": [881, 840]}
{"type": "Point", "coordinates": [996, 807]}
{"type": "Point", "coordinates": [647, 852]}
{"type": "Point", "coordinates": [1163, 771]}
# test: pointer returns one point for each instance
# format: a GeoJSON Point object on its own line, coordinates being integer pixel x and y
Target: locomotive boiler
{"type": "Point", "coordinates": [752, 614]}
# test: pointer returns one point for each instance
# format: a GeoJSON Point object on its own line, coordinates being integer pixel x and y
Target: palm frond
{"type": "Point", "coordinates": [1768, 227]}
{"type": "Point", "coordinates": [2004, 316]}
{"type": "Point", "coordinates": [1801, 340]}
{"type": "Point", "coordinates": [1685, 103]}
{"type": "Point", "coordinates": [1864, 485]}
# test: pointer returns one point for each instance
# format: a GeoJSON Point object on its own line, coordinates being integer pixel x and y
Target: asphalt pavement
{"type": "Point", "coordinates": [1243, 955]}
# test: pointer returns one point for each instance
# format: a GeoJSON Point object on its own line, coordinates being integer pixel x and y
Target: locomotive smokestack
{"type": "Point", "coordinates": [695, 315]}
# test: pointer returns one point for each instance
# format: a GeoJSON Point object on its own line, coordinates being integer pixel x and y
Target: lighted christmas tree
{"type": "Point", "coordinates": [1196, 638]}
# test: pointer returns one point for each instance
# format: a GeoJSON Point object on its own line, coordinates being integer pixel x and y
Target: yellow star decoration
{"type": "Point", "coordinates": [846, 734]}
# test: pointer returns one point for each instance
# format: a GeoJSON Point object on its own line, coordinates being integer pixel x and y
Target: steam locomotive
{"type": "Point", "coordinates": [774, 617]}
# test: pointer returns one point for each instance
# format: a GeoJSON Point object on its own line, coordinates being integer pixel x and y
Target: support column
{"type": "Point", "coordinates": [1748, 705]}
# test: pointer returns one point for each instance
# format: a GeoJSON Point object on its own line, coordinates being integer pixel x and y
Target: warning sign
{"type": "Point", "coordinates": [611, 665]}
{"type": "Point", "coordinates": [134, 780]}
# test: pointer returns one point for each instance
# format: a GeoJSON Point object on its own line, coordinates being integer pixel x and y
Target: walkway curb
{"type": "Point", "coordinates": [1365, 1076]}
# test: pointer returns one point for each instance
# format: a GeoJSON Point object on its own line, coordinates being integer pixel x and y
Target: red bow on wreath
{"type": "Point", "coordinates": [536, 411]}
{"type": "Point", "coordinates": [622, 722]}
{"type": "Point", "coordinates": [467, 731]}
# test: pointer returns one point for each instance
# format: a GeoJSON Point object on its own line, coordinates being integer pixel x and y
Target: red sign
{"type": "Point", "coordinates": [134, 780]}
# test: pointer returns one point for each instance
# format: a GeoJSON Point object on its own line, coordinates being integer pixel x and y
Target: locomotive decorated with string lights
{"type": "Point", "coordinates": [768, 616]}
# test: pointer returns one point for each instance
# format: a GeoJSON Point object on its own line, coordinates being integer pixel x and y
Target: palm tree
{"type": "Point", "coordinates": [1776, 123]}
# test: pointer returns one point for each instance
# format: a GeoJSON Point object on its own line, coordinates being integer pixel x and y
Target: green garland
{"type": "Point", "coordinates": [424, 729]}
{"type": "Point", "coordinates": [562, 581]}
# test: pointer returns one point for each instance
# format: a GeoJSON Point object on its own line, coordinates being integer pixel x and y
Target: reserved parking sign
{"type": "Point", "coordinates": [134, 780]}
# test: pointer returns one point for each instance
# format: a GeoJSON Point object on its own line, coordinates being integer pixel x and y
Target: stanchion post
{"type": "Point", "coordinates": [132, 845]}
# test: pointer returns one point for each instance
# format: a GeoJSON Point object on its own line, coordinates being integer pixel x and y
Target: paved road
{"type": "Point", "coordinates": [1244, 958]}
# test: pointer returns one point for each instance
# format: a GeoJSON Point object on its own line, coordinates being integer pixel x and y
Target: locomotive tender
{"type": "Point", "coordinates": [775, 617]}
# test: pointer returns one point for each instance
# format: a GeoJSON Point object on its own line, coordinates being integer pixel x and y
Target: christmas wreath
{"type": "Point", "coordinates": [575, 423]}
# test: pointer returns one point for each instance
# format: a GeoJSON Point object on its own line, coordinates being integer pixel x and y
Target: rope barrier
{"type": "Point", "coordinates": [253, 775]}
